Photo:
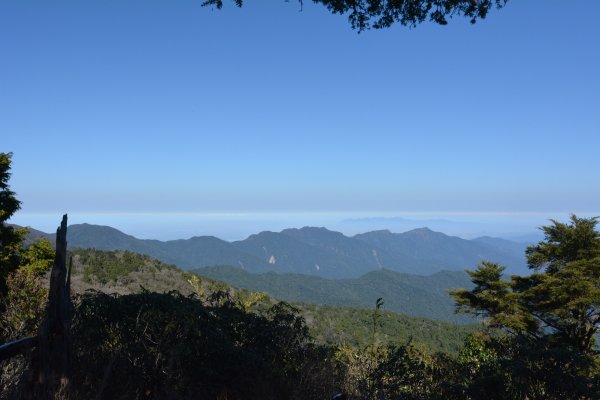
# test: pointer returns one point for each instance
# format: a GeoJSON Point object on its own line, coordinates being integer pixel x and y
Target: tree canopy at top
{"type": "Point", "coordinates": [378, 14]}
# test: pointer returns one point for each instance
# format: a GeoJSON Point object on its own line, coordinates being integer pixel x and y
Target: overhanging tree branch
{"type": "Point", "coordinates": [379, 14]}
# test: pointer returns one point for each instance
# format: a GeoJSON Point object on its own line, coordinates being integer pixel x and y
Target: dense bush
{"type": "Point", "coordinates": [169, 346]}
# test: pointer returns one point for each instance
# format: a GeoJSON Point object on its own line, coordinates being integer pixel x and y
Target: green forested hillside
{"type": "Point", "coordinates": [124, 272]}
{"type": "Point", "coordinates": [353, 326]}
{"type": "Point", "coordinates": [416, 295]}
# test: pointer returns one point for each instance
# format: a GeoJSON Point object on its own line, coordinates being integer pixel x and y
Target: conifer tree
{"type": "Point", "coordinates": [548, 321]}
{"type": "Point", "coordinates": [11, 239]}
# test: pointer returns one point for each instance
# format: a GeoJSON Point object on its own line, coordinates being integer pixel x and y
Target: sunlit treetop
{"type": "Point", "coordinates": [379, 14]}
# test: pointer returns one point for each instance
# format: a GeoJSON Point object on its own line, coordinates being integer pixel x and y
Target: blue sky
{"type": "Point", "coordinates": [160, 107]}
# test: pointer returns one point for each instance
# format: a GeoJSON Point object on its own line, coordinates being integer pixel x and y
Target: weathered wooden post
{"type": "Point", "coordinates": [50, 361]}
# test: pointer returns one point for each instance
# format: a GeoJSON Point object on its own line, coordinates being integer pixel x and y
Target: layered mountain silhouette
{"type": "Point", "coordinates": [315, 251]}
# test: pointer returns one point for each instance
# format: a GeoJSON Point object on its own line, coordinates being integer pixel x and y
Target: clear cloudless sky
{"type": "Point", "coordinates": [161, 106]}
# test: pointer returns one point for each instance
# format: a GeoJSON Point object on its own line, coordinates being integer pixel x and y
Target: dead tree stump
{"type": "Point", "coordinates": [49, 372]}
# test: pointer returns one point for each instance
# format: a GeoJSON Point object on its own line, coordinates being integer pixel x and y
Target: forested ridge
{"type": "Point", "coordinates": [124, 272]}
{"type": "Point", "coordinates": [410, 294]}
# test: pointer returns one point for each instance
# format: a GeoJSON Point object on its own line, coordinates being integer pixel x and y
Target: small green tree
{"type": "Point", "coordinates": [25, 301]}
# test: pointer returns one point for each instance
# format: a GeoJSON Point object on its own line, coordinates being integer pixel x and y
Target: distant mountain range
{"type": "Point", "coordinates": [314, 251]}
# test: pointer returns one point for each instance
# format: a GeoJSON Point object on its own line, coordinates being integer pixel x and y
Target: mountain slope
{"type": "Point", "coordinates": [124, 272]}
{"type": "Point", "coordinates": [316, 251]}
{"type": "Point", "coordinates": [512, 253]}
{"type": "Point", "coordinates": [416, 295]}
{"type": "Point", "coordinates": [193, 252]}
{"type": "Point", "coordinates": [438, 251]}
{"type": "Point", "coordinates": [365, 256]}
{"type": "Point", "coordinates": [286, 254]}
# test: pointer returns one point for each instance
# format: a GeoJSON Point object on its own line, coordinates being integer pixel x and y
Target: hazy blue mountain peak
{"type": "Point", "coordinates": [378, 232]}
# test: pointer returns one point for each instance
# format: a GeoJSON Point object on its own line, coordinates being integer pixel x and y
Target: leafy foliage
{"type": "Point", "coordinates": [378, 14]}
{"type": "Point", "coordinates": [38, 257]}
{"type": "Point", "coordinates": [24, 306]}
{"type": "Point", "coordinates": [108, 266]}
{"type": "Point", "coordinates": [25, 300]}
